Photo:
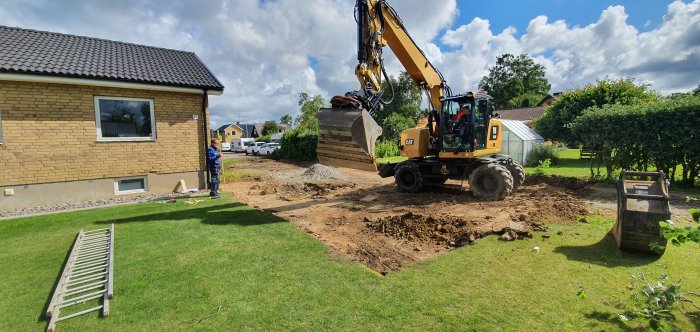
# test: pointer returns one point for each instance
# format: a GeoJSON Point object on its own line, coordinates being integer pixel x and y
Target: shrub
{"type": "Point", "coordinates": [695, 213]}
{"type": "Point", "coordinates": [386, 148]}
{"type": "Point", "coordinates": [298, 144]}
{"type": "Point", "coordinates": [543, 167]}
{"type": "Point", "coordinates": [662, 135]}
{"type": "Point", "coordinates": [541, 153]}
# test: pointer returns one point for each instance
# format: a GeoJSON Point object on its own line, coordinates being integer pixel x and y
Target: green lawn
{"type": "Point", "coordinates": [569, 165]}
{"type": "Point", "coordinates": [220, 265]}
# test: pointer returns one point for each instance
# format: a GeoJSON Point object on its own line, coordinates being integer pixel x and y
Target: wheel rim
{"type": "Point", "coordinates": [408, 179]}
{"type": "Point", "coordinates": [487, 182]}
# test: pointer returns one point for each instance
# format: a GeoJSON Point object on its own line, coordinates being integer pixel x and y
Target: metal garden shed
{"type": "Point", "coordinates": [518, 140]}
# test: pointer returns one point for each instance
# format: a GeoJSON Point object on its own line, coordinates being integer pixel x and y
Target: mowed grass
{"type": "Point", "coordinates": [220, 265]}
{"type": "Point", "coordinates": [569, 165]}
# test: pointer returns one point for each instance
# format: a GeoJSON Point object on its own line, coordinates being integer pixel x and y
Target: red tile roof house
{"type": "Point", "coordinates": [90, 119]}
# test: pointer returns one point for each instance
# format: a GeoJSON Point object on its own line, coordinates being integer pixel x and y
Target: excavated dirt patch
{"type": "Point", "coordinates": [365, 217]}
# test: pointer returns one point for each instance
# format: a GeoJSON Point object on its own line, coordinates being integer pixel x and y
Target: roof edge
{"type": "Point", "coordinates": [59, 79]}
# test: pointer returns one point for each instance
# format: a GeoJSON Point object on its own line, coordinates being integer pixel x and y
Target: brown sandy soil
{"type": "Point", "coordinates": [365, 217]}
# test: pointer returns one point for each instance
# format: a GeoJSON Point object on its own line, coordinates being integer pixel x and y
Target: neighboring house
{"type": "Point", "coordinates": [248, 130]}
{"type": "Point", "coordinates": [526, 115]}
{"type": "Point", "coordinates": [549, 99]}
{"type": "Point", "coordinates": [229, 132]}
{"type": "Point", "coordinates": [88, 119]}
{"type": "Point", "coordinates": [529, 115]}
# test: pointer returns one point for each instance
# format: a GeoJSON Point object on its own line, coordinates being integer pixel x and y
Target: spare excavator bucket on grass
{"type": "Point", "coordinates": [346, 138]}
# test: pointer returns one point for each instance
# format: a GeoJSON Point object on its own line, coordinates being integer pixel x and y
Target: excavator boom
{"type": "Point", "coordinates": [348, 132]}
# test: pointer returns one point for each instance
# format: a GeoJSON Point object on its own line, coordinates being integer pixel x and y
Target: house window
{"type": "Point", "coordinates": [124, 119]}
{"type": "Point", "coordinates": [130, 185]}
{"type": "Point", "coordinates": [233, 133]}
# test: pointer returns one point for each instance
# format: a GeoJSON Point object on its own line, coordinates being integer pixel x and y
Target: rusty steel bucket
{"type": "Point", "coordinates": [346, 138]}
{"type": "Point", "coordinates": [641, 205]}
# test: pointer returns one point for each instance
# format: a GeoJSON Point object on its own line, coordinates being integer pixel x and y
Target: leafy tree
{"type": "Point", "coordinates": [406, 98]}
{"type": "Point", "coordinates": [512, 77]}
{"type": "Point", "coordinates": [286, 119]}
{"type": "Point", "coordinates": [393, 125]}
{"type": "Point", "coordinates": [308, 119]}
{"type": "Point", "coordinates": [556, 123]}
{"type": "Point", "coordinates": [269, 128]}
{"type": "Point", "coordinates": [696, 91]}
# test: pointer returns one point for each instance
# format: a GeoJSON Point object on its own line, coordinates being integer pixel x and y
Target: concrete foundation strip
{"type": "Point", "coordinates": [87, 276]}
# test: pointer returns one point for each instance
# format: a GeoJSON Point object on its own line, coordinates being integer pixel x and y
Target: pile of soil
{"type": "Point", "coordinates": [290, 191]}
{"type": "Point", "coordinates": [320, 172]}
{"type": "Point", "coordinates": [543, 202]}
{"type": "Point", "coordinates": [449, 231]}
{"type": "Point", "coordinates": [565, 182]}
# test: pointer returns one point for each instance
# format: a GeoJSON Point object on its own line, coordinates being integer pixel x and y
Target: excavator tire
{"type": "Point", "coordinates": [518, 173]}
{"type": "Point", "coordinates": [408, 177]}
{"type": "Point", "coordinates": [491, 182]}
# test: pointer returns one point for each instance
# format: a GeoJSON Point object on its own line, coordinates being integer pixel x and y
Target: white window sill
{"type": "Point", "coordinates": [127, 139]}
{"type": "Point", "coordinates": [118, 193]}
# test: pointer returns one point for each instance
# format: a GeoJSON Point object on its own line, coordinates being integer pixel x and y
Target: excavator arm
{"type": "Point", "coordinates": [347, 132]}
{"type": "Point", "coordinates": [379, 25]}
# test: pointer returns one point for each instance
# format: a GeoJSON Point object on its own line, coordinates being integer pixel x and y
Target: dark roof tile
{"type": "Point", "coordinates": [49, 53]}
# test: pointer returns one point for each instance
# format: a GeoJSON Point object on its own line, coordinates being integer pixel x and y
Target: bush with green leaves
{"type": "Point", "coordinates": [540, 153]}
{"type": "Point", "coordinates": [662, 135]}
{"type": "Point", "coordinates": [298, 144]}
{"type": "Point", "coordinates": [386, 148]}
{"type": "Point", "coordinates": [542, 168]}
{"type": "Point", "coordinates": [655, 303]}
{"type": "Point", "coordinates": [555, 125]}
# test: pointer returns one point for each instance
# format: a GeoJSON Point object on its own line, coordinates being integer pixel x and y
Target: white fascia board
{"type": "Point", "coordinates": [101, 83]}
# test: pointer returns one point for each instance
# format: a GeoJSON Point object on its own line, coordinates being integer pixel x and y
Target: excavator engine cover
{"type": "Point", "coordinates": [346, 138]}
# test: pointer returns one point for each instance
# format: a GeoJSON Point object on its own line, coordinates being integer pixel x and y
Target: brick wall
{"type": "Point", "coordinates": [49, 135]}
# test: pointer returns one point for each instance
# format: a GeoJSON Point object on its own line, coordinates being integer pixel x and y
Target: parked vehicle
{"type": "Point", "coordinates": [240, 144]}
{"type": "Point", "coordinates": [267, 149]}
{"type": "Point", "coordinates": [253, 148]}
{"type": "Point", "coordinates": [225, 146]}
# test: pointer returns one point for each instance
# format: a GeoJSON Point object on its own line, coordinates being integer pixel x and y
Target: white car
{"type": "Point", "coordinates": [268, 148]}
{"type": "Point", "coordinates": [225, 146]}
{"type": "Point", "coordinates": [253, 148]}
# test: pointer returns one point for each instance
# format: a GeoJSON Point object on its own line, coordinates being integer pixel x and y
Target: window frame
{"type": "Point", "coordinates": [135, 191]}
{"type": "Point", "coordinates": [98, 121]}
{"type": "Point", "coordinates": [1, 128]}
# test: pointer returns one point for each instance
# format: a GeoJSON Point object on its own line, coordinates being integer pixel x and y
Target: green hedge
{"type": "Point", "coordinates": [662, 136]}
{"type": "Point", "coordinates": [298, 145]}
{"type": "Point", "coordinates": [385, 149]}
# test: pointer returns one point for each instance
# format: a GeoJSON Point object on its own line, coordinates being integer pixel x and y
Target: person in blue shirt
{"type": "Point", "coordinates": [214, 164]}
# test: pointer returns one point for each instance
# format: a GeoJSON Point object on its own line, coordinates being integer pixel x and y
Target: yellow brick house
{"type": "Point", "coordinates": [86, 119]}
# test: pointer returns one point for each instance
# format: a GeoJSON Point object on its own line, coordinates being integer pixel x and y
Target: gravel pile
{"type": "Point", "coordinates": [320, 172]}
{"type": "Point", "coordinates": [93, 204]}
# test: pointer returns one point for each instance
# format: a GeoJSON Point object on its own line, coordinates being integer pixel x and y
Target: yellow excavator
{"type": "Point", "coordinates": [459, 139]}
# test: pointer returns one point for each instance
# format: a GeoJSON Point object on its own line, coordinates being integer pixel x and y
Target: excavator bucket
{"type": "Point", "coordinates": [346, 138]}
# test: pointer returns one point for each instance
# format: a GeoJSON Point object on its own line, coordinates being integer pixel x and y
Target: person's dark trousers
{"type": "Point", "coordinates": [214, 171]}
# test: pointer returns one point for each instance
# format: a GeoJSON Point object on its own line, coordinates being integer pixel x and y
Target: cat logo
{"type": "Point", "coordinates": [409, 141]}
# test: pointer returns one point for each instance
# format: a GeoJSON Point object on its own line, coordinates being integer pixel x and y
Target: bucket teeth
{"type": "Point", "coordinates": [346, 138]}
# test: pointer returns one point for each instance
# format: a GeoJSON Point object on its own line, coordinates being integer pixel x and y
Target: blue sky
{"type": "Point", "coordinates": [518, 13]}
{"type": "Point", "coordinates": [266, 53]}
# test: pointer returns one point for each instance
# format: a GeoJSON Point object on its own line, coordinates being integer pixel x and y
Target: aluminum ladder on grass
{"type": "Point", "coordinates": [87, 275]}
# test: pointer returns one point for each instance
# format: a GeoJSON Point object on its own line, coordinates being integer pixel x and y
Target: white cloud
{"type": "Point", "coordinates": [266, 52]}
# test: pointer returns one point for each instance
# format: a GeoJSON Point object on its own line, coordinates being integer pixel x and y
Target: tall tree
{"type": "Point", "coordinates": [696, 91]}
{"type": "Point", "coordinates": [286, 119]}
{"type": "Point", "coordinates": [405, 99]}
{"type": "Point", "coordinates": [515, 81]}
{"type": "Point", "coordinates": [309, 106]}
{"type": "Point", "coordinates": [269, 128]}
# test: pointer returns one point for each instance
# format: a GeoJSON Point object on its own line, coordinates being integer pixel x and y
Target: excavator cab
{"type": "Point", "coordinates": [464, 120]}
